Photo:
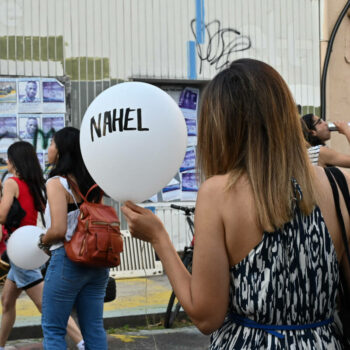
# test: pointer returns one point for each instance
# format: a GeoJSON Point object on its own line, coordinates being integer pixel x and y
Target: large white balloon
{"type": "Point", "coordinates": [22, 248]}
{"type": "Point", "coordinates": [133, 140]}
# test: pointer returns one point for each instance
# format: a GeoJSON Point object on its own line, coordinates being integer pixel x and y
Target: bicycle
{"type": "Point", "coordinates": [174, 305]}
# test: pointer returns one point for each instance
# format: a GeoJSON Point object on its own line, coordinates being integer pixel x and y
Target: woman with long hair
{"type": "Point", "coordinates": [267, 237]}
{"type": "Point", "coordinates": [66, 282]}
{"type": "Point", "coordinates": [316, 133]}
{"type": "Point", "coordinates": [28, 186]}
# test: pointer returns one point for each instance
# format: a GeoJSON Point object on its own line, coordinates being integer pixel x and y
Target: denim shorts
{"type": "Point", "coordinates": [24, 279]}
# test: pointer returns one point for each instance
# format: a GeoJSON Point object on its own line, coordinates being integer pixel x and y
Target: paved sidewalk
{"type": "Point", "coordinates": [186, 338]}
{"type": "Point", "coordinates": [139, 302]}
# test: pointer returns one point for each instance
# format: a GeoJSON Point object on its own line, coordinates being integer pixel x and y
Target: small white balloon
{"type": "Point", "coordinates": [22, 248]}
{"type": "Point", "coordinates": [133, 139]}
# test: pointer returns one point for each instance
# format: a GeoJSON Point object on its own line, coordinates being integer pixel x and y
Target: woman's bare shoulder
{"type": "Point", "coordinates": [54, 184]}
{"type": "Point", "coordinates": [216, 188]}
{"type": "Point", "coordinates": [214, 183]}
{"type": "Point", "coordinates": [10, 185]}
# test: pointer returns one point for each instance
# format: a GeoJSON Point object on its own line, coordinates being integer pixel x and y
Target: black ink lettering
{"type": "Point", "coordinates": [120, 119]}
{"type": "Point", "coordinates": [96, 127]}
{"type": "Point", "coordinates": [127, 119]}
{"type": "Point", "coordinates": [107, 121]}
{"type": "Point", "coordinates": [139, 121]}
{"type": "Point", "coordinates": [118, 122]}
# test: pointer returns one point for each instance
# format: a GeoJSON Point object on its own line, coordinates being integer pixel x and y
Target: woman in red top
{"type": "Point", "coordinates": [28, 186]}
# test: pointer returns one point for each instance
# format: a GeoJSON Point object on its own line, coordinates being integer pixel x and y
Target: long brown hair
{"type": "Point", "coordinates": [249, 124]}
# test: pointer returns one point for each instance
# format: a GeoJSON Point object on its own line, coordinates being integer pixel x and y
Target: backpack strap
{"type": "Point", "coordinates": [342, 183]}
{"type": "Point", "coordinates": [76, 189]}
{"type": "Point", "coordinates": [90, 189]}
{"type": "Point", "coordinates": [332, 180]}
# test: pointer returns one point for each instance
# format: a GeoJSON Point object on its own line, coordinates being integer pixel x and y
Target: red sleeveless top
{"type": "Point", "coordinates": [26, 201]}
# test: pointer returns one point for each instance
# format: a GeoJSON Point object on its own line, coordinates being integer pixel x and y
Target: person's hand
{"type": "Point", "coordinates": [44, 246]}
{"type": "Point", "coordinates": [343, 127]}
{"type": "Point", "coordinates": [143, 224]}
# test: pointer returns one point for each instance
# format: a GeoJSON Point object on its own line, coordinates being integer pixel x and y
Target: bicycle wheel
{"type": "Point", "coordinates": [174, 305]}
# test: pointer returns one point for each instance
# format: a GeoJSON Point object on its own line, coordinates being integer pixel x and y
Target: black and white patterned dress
{"type": "Point", "coordinates": [289, 278]}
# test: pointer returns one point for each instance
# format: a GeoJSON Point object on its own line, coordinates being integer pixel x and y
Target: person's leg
{"type": "Point", "coordinates": [62, 284]}
{"type": "Point", "coordinates": [35, 293]}
{"type": "Point", "coordinates": [74, 331]}
{"type": "Point", "coordinates": [90, 310]}
{"type": "Point", "coordinates": [9, 296]}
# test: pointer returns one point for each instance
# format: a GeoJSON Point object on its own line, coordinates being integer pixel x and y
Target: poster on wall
{"type": "Point", "coordinates": [188, 102]}
{"type": "Point", "coordinates": [191, 131]}
{"type": "Point", "coordinates": [53, 96]}
{"type": "Point", "coordinates": [28, 107]}
{"type": "Point", "coordinates": [8, 95]}
{"type": "Point", "coordinates": [172, 191]}
{"type": "Point", "coordinates": [189, 186]}
{"type": "Point", "coordinates": [8, 130]}
{"type": "Point", "coordinates": [184, 186]}
{"type": "Point", "coordinates": [28, 124]}
{"type": "Point", "coordinates": [52, 122]}
{"type": "Point", "coordinates": [189, 161]}
{"type": "Point", "coordinates": [29, 95]}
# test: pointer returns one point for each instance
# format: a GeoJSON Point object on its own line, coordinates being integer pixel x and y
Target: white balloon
{"type": "Point", "coordinates": [22, 248]}
{"type": "Point", "coordinates": [133, 139]}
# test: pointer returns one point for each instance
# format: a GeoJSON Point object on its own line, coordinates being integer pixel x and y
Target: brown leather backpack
{"type": "Point", "coordinates": [97, 240]}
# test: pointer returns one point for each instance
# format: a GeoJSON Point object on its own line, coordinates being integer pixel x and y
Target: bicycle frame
{"type": "Point", "coordinates": [174, 306]}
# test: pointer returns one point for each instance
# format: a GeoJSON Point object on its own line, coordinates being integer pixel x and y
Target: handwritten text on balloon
{"type": "Point", "coordinates": [114, 121]}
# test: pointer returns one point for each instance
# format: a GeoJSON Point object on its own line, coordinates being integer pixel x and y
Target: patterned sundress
{"type": "Point", "coordinates": [290, 278]}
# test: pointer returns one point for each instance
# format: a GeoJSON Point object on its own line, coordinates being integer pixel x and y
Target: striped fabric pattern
{"type": "Point", "coordinates": [314, 153]}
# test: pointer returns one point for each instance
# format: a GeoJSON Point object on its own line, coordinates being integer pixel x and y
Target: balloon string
{"type": "Point", "coordinates": [143, 245]}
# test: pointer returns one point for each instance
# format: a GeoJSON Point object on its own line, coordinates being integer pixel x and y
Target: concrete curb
{"type": "Point", "coordinates": [133, 321]}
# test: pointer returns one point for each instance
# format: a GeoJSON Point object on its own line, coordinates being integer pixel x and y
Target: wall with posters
{"type": "Point", "coordinates": [99, 43]}
{"type": "Point", "coordinates": [184, 186]}
{"type": "Point", "coordinates": [31, 109]}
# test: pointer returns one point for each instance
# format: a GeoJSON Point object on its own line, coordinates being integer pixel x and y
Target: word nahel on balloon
{"type": "Point", "coordinates": [122, 120]}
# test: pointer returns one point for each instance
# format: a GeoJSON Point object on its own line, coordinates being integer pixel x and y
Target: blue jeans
{"type": "Point", "coordinates": [68, 284]}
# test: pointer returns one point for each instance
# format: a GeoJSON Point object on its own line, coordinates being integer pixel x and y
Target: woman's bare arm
{"type": "Point", "coordinates": [204, 294]}
{"type": "Point", "coordinates": [10, 191]}
{"type": "Point", "coordinates": [329, 156]}
{"type": "Point", "coordinates": [57, 199]}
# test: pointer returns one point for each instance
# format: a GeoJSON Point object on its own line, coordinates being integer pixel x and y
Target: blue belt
{"type": "Point", "coordinates": [271, 328]}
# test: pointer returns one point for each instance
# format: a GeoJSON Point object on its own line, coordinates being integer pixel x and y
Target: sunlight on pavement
{"type": "Point", "coordinates": [127, 338]}
{"type": "Point", "coordinates": [138, 292]}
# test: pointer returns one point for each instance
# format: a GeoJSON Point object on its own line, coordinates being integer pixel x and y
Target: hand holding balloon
{"type": "Point", "coordinates": [142, 223]}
